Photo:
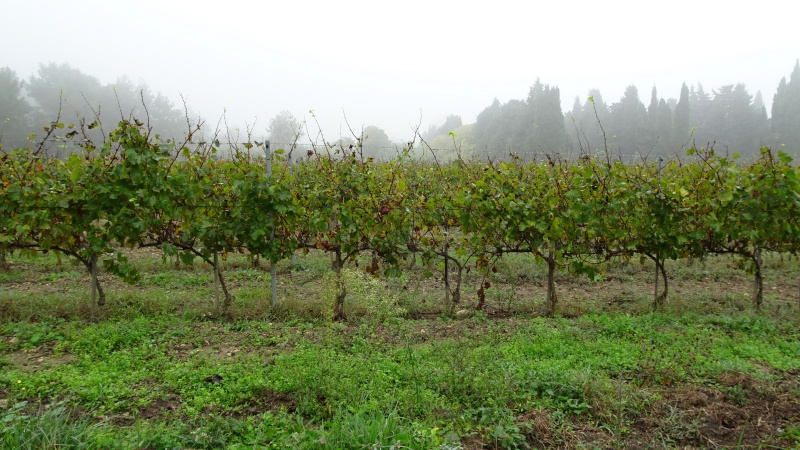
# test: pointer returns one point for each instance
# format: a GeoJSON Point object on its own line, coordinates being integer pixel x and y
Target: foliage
{"type": "Point", "coordinates": [134, 190]}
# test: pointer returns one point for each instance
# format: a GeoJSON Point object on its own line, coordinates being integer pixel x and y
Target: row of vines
{"type": "Point", "coordinates": [134, 191]}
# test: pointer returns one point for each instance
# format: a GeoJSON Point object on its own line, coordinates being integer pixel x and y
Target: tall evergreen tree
{"type": "Point", "coordinates": [14, 110]}
{"type": "Point", "coordinates": [698, 115]}
{"type": "Point", "coordinates": [575, 140]}
{"type": "Point", "coordinates": [779, 110]}
{"type": "Point", "coordinates": [486, 128]}
{"type": "Point", "coordinates": [731, 120]}
{"type": "Point", "coordinates": [652, 110]}
{"type": "Point", "coordinates": [546, 132]}
{"type": "Point", "coordinates": [680, 122]}
{"type": "Point", "coordinates": [452, 122]}
{"type": "Point", "coordinates": [786, 112]}
{"type": "Point", "coordinates": [662, 129]}
{"type": "Point", "coordinates": [652, 117]}
{"type": "Point", "coordinates": [590, 123]}
{"type": "Point", "coordinates": [659, 125]}
{"type": "Point", "coordinates": [760, 121]}
{"type": "Point", "coordinates": [742, 136]}
{"type": "Point", "coordinates": [629, 124]}
{"type": "Point", "coordinates": [534, 125]}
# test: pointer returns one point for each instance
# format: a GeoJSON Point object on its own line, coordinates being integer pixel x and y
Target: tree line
{"type": "Point", "coordinates": [61, 92]}
{"type": "Point", "coordinates": [729, 118]}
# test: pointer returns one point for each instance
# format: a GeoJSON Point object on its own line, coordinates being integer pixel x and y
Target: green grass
{"type": "Point", "coordinates": [390, 384]}
{"type": "Point", "coordinates": [52, 428]}
{"type": "Point", "coordinates": [155, 372]}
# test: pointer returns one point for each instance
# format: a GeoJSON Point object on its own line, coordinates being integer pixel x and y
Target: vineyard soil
{"type": "Point", "coordinates": [156, 369]}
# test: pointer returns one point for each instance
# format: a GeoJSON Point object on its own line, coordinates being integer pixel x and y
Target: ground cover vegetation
{"type": "Point", "coordinates": [425, 309]}
{"type": "Point", "coordinates": [156, 370]}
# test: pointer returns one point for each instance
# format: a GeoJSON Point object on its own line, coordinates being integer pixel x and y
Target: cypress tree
{"type": "Point", "coordinates": [680, 121]}
{"type": "Point", "coordinates": [786, 112]}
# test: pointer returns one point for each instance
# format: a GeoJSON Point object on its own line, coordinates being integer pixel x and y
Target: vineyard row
{"type": "Point", "coordinates": [134, 191]}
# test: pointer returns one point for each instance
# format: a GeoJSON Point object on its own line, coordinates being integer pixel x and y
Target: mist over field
{"type": "Point", "coordinates": [510, 78]}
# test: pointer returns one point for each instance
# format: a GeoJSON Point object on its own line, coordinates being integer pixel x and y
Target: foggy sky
{"type": "Point", "coordinates": [388, 64]}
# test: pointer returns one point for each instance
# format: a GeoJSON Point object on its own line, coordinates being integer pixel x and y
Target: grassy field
{"type": "Point", "coordinates": [155, 370]}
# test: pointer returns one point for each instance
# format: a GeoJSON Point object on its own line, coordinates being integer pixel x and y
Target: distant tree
{"type": "Point", "coordinates": [652, 110]}
{"type": "Point", "coordinates": [662, 129]}
{"type": "Point", "coordinates": [731, 120]}
{"type": "Point", "coordinates": [450, 146]}
{"type": "Point", "coordinates": [78, 94]}
{"type": "Point", "coordinates": [517, 128]}
{"type": "Point", "coordinates": [659, 116]}
{"type": "Point", "coordinates": [14, 110]}
{"type": "Point", "coordinates": [588, 120]}
{"type": "Point", "coordinates": [786, 112]}
{"type": "Point", "coordinates": [761, 121]}
{"type": "Point", "coordinates": [577, 107]}
{"type": "Point", "coordinates": [699, 113]}
{"type": "Point", "coordinates": [488, 129]}
{"type": "Point", "coordinates": [743, 134]}
{"type": "Point", "coordinates": [345, 143]}
{"type": "Point", "coordinates": [629, 124]}
{"type": "Point", "coordinates": [376, 143]}
{"type": "Point", "coordinates": [523, 127]}
{"type": "Point", "coordinates": [780, 111]}
{"type": "Point", "coordinates": [285, 131]}
{"type": "Point", "coordinates": [450, 123]}
{"type": "Point", "coordinates": [433, 130]}
{"type": "Point", "coordinates": [546, 133]}
{"type": "Point", "coordinates": [680, 120]}
{"type": "Point", "coordinates": [124, 99]}
{"type": "Point", "coordinates": [82, 96]}
{"type": "Point", "coordinates": [575, 141]}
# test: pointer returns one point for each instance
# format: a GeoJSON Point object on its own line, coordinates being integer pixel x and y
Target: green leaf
{"type": "Point", "coordinates": [401, 185]}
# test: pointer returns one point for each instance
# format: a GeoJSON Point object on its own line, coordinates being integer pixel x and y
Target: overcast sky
{"type": "Point", "coordinates": [388, 63]}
